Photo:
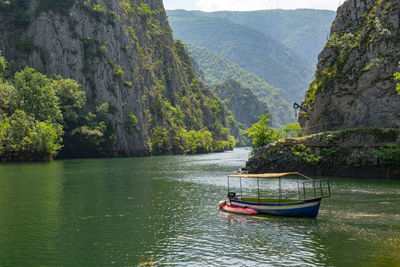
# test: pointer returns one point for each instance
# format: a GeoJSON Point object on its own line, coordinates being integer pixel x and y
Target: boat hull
{"type": "Point", "coordinates": [306, 208]}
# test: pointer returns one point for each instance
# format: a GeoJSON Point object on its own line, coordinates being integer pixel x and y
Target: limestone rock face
{"type": "Point", "coordinates": [354, 83]}
{"type": "Point", "coordinates": [122, 52]}
{"type": "Point", "coordinates": [347, 153]}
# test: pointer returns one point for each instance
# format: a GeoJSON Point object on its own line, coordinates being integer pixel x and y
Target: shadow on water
{"type": "Point", "coordinates": [163, 210]}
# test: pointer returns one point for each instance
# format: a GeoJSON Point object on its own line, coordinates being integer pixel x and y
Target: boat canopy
{"type": "Point", "coordinates": [264, 175]}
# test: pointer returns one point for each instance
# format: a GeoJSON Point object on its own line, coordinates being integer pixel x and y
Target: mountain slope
{"type": "Point", "coordinates": [246, 107]}
{"type": "Point", "coordinates": [123, 54]}
{"type": "Point", "coordinates": [217, 70]}
{"type": "Point", "coordinates": [304, 31]}
{"type": "Point", "coordinates": [250, 49]}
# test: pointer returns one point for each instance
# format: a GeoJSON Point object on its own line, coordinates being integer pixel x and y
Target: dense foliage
{"type": "Point", "coordinates": [37, 112]}
{"type": "Point", "coordinates": [252, 50]}
{"type": "Point", "coordinates": [153, 101]}
{"type": "Point", "coordinates": [238, 45]}
{"type": "Point", "coordinates": [245, 106]}
{"type": "Point", "coordinates": [292, 130]}
{"type": "Point", "coordinates": [217, 70]}
{"type": "Point", "coordinates": [24, 138]}
{"type": "Point", "coordinates": [31, 119]}
{"type": "Point", "coordinates": [262, 133]}
{"type": "Point", "coordinates": [304, 31]}
{"type": "Point", "coordinates": [390, 157]}
{"type": "Point", "coordinates": [196, 123]}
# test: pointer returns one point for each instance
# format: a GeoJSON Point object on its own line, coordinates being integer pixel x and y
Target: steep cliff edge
{"type": "Point", "coordinates": [354, 83]}
{"type": "Point", "coordinates": [351, 113]}
{"type": "Point", "coordinates": [123, 53]}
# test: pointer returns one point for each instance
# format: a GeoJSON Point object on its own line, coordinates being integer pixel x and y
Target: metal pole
{"type": "Point", "coordinates": [320, 185]}
{"type": "Point", "coordinates": [315, 193]}
{"type": "Point", "coordinates": [298, 187]}
{"type": "Point", "coordinates": [280, 190]}
{"type": "Point", "coordinates": [304, 189]}
{"type": "Point", "coordinates": [258, 187]}
{"type": "Point", "coordinates": [241, 192]}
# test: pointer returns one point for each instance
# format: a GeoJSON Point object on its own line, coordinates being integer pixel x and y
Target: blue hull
{"type": "Point", "coordinates": [307, 208]}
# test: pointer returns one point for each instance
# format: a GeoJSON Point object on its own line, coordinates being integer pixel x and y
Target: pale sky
{"type": "Point", "coordinates": [247, 5]}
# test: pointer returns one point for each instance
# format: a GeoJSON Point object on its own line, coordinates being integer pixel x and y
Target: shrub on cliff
{"type": "Point", "coordinates": [390, 156]}
{"type": "Point", "coordinates": [261, 133]}
{"type": "Point", "coordinates": [2, 67]}
{"type": "Point", "coordinates": [292, 130]}
{"type": "Point", "coordinates": [396, 77]}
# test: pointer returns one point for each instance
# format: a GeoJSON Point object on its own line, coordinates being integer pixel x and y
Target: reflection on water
{"type": "Point", "coordinates": [163, 210]}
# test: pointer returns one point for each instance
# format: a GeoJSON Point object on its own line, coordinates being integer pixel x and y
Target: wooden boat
{"type": "Point", "coordinates": [309, 194]}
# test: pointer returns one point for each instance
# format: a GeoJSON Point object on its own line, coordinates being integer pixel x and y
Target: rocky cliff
{"type": "Point", "coordinates": [123, 53]}
{"type": "Point", "coordinates": [366, 153]}
{"type": "Point", "coordinates": [351, 110]}
{"type": "Point", "coordinates": [354, 83]}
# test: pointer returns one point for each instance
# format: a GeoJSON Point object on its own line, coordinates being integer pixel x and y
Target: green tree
{"type": "Point", "coordinates": [88, 136]}
{"type": "Point", "coordinates": [24, 138]}
{"type": "Point", "coordinates": [389, 156]}
{"type": "Point", "coordinates": [292, 130]}
{"type": "Point", "coordinates": [35, 111]}
{"type": "Point", "coordinates": [8, 95]}
{"type": "Point", "coordinates": [71, 99]}
{"type": "Point", "coordinates": [261, 133]}
{"type": "Point", "coordinates": [36, 96]}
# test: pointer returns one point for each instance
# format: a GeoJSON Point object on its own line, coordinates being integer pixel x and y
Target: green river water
{"type": "Point", "coordinates": [163, 211]}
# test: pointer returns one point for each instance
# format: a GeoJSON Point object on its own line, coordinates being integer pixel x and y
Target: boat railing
{"type": "Point", "coordinates": [305, 189]}
{"type": "Point", "coordinates": [319, 188]}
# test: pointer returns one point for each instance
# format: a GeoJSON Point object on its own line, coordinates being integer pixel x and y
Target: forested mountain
{"type": "Point", "coordinates": [304, 31]}
{"type": "Point", "coordinates": [246, 107]}
{"type": "Point", "coordinates": [142, 95]}
{"type": "Point", "coordinates": [251, 49]}
{"type": "Point", "coordinates": [217, 70]}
